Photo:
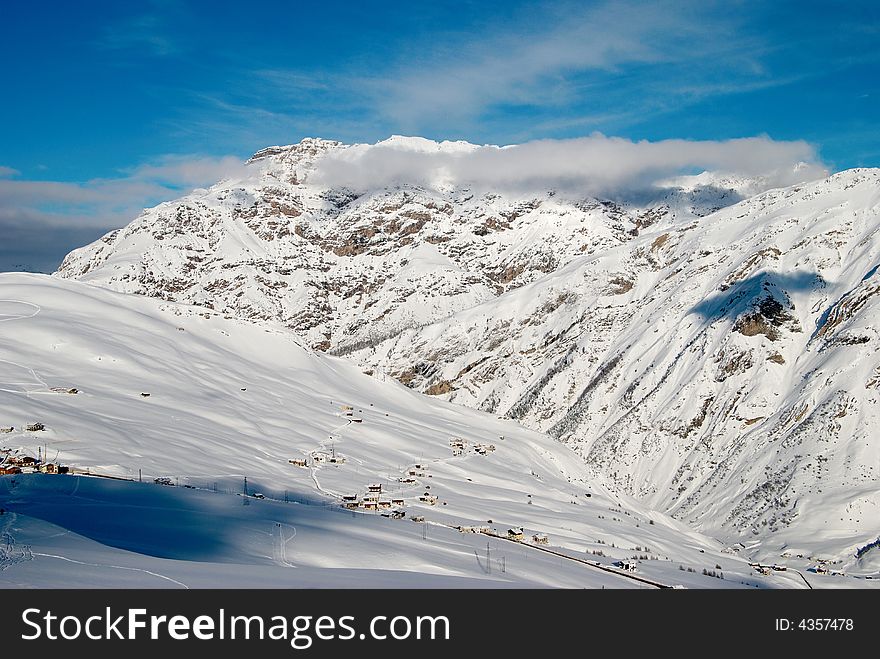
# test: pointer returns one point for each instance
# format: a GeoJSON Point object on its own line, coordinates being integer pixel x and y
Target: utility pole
{"type": "Point", "coordinates": [488, 563]}
{"type": "Point", "coordinates": [246, 502]}
{"type": "Point", "coordinates": [140, 476]}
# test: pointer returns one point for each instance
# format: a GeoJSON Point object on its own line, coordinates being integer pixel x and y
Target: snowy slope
{"type": "Point", "coordinates": [705, 349]}
{"type": "Point", "coordinates": [230, 399]}
{"type": "Point", "coordinates": [724, 370]}
{"type": "Point", "coordinates": [347, 267]}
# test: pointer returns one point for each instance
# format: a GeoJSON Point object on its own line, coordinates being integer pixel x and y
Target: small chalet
{"type": "Point", "coordinates": [540, 539]}
{"type": "Point", "coordinates": [374, 487]}
{"type": "Point", "coordinates": [297, 462]}
{"type": "Point", "coordinates": [515, 534]}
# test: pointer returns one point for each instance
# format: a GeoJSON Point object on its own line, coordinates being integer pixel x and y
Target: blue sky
{"type": "Point", "coordinates": [110, 106]}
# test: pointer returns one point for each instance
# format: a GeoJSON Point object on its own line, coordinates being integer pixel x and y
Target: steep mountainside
{"type": "Point", "coordinates": [710, 351]}
{"type": "Point", "coordinates": [725, 370]}
{"type": "Point", "coordinates": [127, 386]}
{"type": "Point", "coordinates": [345, 268]}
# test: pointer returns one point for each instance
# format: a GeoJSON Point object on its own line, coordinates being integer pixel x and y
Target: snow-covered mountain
{"type": "Point", "coordinates": [708, 347]}
{"type": "Point", "coordinates": [345, 267]}
{"type": "Point", "coordinates": [724, 371]}
{"type": "Point", "coordinates": [137, 388]}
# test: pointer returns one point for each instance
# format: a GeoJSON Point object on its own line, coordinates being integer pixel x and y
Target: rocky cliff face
{"type": "Point", "coordinates": [724, 369]}
{"type": "Point", "coordinates": [708, 350]}
{"type": "Point", "coordinates": [347, 268]}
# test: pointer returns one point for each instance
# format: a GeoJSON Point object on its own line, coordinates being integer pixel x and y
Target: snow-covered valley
{"type": "Point", "coordinates": [685, 374]}
{"type": "Point", "coordinates": [229, 400]}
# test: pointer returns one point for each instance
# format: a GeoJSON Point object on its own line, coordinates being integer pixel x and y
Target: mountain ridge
{"type": "Point", "coordinates": [705, 349]}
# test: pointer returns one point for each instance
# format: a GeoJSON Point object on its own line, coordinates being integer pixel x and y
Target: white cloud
{"type": "Point", "coordinates": [109, 202]}
{"type": "Point", "coordinates": [566, 55]}
{"type": "Point", "coordinates": [594, 165]}
{"type": "Point", "coordinates": [182, 171]}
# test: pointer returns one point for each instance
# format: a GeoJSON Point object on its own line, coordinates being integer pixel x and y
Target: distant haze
{"type": "Point", "coordinates": [41, 249]}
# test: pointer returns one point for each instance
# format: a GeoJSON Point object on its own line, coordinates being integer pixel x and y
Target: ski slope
{"type": "Point", "coordinates": [229, 400]}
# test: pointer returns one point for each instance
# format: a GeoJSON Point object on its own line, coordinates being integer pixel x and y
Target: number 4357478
{"type": "Point", "coordinates": [814, 624]}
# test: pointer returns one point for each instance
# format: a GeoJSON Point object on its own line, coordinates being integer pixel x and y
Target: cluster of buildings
{"type": "Point", "coordinates": [518, 534]}
{"type": "Point", "coordinates": [348, 411]}
{"type": "Point", "coordinates": [767, 569]}
{"type": "Point", "coordinates": [318, 458]}
{"type": "Point", "coordinates": [374, 501]}
{"type": "Point", "coordinates": [459, 447]}
{"type": "Point", "coordinates": [428, 498]}
{"type": "Point", "coordinates": [321, 457]}
{"type": "Point", "coordinates": [14, 464]}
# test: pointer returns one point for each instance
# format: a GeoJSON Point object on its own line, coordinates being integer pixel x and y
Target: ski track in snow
{"type": "Point", "coordinates": [5, 318]}
{"type": "Point", "coordinates": [9, 555]}
{"type": "Point", "coordinates": [116, 567]}
{"type": "Point", "coordinates": [281, 546]}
